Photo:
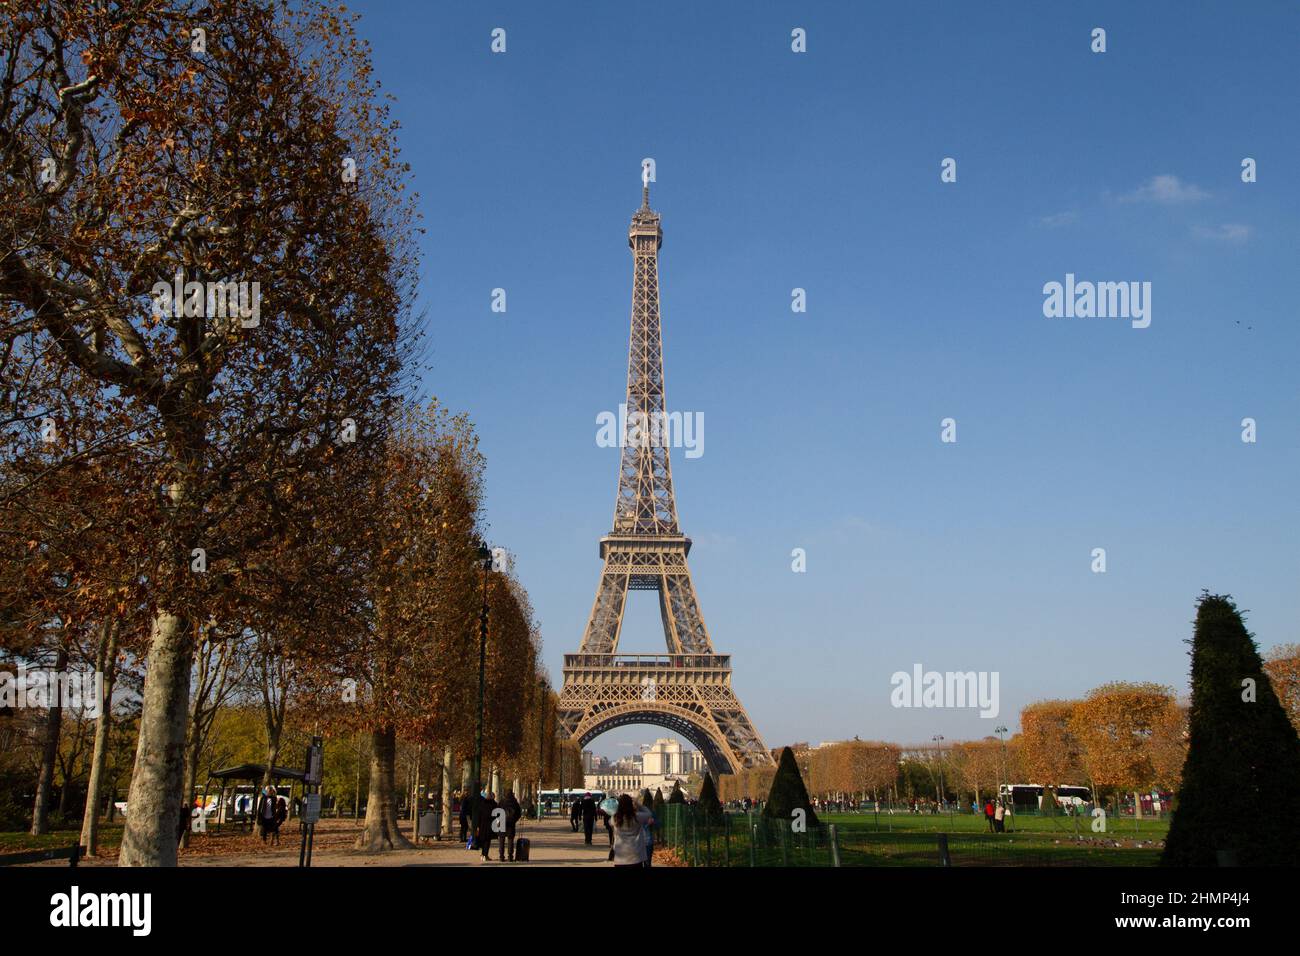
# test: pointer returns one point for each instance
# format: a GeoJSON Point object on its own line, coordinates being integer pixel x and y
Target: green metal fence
{"type": "Point", "coordinates": [740, 839]}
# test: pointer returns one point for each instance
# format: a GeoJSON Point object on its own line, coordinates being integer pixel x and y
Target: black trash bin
{"type": "Point", "coordinates": [430, 824]}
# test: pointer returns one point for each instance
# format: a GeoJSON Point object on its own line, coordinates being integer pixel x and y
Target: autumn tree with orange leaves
{"type": "Point", "coordinates": [512, 651]}
{"type": "Point", "coordinates": [1131, 735]}
{"type": "Point", "coordinates": [1282, 665]}
{"type": "Point", "coordinates": [409, 649]}
{"type": "Point", "coordinates": [154, 147]}
{"type": "Point", "coordinates": [1050, 752]}
{"type": "Point", "coordinates": [978, 766]}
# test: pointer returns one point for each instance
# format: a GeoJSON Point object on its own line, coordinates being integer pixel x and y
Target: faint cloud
{"type": "Point", "coordinates": [1166, 190]}
{"type": "Point", "coordinates": [853, 527]}
{"type": "Point", "coordinates": [1233, 232]}
{"type": "Point", "coordinates": [1059, 219]}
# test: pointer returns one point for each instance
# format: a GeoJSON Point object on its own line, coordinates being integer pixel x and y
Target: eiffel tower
{"type": "Point", "coordinates": [688, 690]}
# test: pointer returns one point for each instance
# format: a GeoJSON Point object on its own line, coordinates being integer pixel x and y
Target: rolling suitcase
{"type": "Point", "coordinates": [521, 849]}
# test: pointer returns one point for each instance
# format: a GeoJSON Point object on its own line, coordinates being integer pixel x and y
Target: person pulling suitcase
{"type": "Point", "coordinates": [507, 840]}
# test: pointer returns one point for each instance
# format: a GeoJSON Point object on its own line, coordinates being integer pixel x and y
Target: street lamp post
{"type": "Point", "coordinates": [1000, 730]}
{"type": "Point", "coordinates": [485, 555]}
{"type": "Point", "coordinates": [938, 741]}
{"type": "Point", "coordinates": [541, 746]}
{"type": "Point", "coordinates": [1002, 769]}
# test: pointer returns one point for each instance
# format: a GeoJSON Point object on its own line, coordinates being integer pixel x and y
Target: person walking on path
{"type": "Point", "coordinates": [608, 807]}
{"type": "Point", "coordinates": [575, 814]}
{"type": "Point", "coordinates": [183, 823]}
{"type": "Point", "coordinates": [507, 839]}
{"type": "Point", "coordinates": [281, 814]}
{"type": "Point", "coordinates": [649, 828]}
{"type": "Point", "coordinates": [628, 831]}
{"type": "Point", "coordinates": [266, 813]}
{"type": "Point", "coordinates": [464, 817]}
{"type": "Point", "coordinates": [483, 824]}
{"type": "Point", "coordinates": [588, 817]}
{"type": "Point", "coordinates": [475, 803]}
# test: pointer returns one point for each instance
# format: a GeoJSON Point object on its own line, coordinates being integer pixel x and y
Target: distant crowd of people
{"type": "Point", "coordinates": [994, 809]}
{"type": "Point", "coordinates": [629, 826]}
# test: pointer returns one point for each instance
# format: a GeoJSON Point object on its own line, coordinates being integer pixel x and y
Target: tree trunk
{"type": "Point", "coordinates": [356, 800]}
{"type": "Point", "coordinates": [381, 831]}
{"type": "Point", "coordinates": [188, 783]}
{"type": "Point", "coordinates": [446, 790]}
{"type": "Point", "coordinates": [50, 750]}
{"type": "Point", "coordinates": [272, 754]}
{"type": "Point", "coordinates": [153, 802]}
{"type": "Point", "coordinates": [275, 702]}
{"type": "Point", "coordinates": [64, 793]}
{"type": "Point", "coordinates": [192, 742]}
{"type": "Point", "coordinates": [415, 792]}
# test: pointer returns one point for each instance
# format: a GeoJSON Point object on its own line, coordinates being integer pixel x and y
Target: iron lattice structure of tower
{"type": "Point", "coordinates": [688, 690]}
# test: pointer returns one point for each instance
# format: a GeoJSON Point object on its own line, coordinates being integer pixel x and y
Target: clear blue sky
{"type": "Point", "coordinates": [821, 171]}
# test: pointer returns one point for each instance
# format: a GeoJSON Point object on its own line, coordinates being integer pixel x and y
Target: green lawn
{"type": "Point", "coordinates": [1125, 829]}
{"type": "Point", "coordinates": [912, 840]}
{"type": "Point", "coordinates": [110, 835]}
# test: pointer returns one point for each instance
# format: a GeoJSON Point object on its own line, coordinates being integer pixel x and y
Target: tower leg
{"type": "Point", "coordinates": [606, 620]}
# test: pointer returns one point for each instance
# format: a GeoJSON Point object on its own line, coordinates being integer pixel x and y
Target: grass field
{"type": "Point", "coordinates": [110, 835]}
{"type": "Point", "coordinates": [913, 840]}
{"type": "Point", "coordinates": [1127, 828]}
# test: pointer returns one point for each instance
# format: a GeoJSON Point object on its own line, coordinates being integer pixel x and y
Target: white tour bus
{"type": "Point", "coordinates": [1029, 796]}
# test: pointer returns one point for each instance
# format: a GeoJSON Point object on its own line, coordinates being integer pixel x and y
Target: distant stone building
{"type": "Point", "coordinates": [658, 766]}
{"type": "Point", "coordinates": [613, 783]}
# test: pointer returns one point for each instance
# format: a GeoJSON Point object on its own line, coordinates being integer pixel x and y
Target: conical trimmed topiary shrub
{"type": "Point", "coordinates": [1243, 760]}
{"type": "Point", "coordinates": [677, 796]}
{"type": "Point", "coordinates": [709, 801]}
{"type": "Point", "coordinates": [788, 792]}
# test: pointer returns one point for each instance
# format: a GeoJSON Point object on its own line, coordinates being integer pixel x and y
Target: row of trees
{"type": "Point", "coordinates": [1119, 737]}
{"type": "Point", "coordinates": [217, 486]}
{"type": "Point", "coordinates": [238, 734]}
{"type": "Point", "coordinates": [1232, 757]}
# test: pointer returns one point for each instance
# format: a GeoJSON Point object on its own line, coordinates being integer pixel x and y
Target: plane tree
{"type": "Point", "coordinates": [237, 153]}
